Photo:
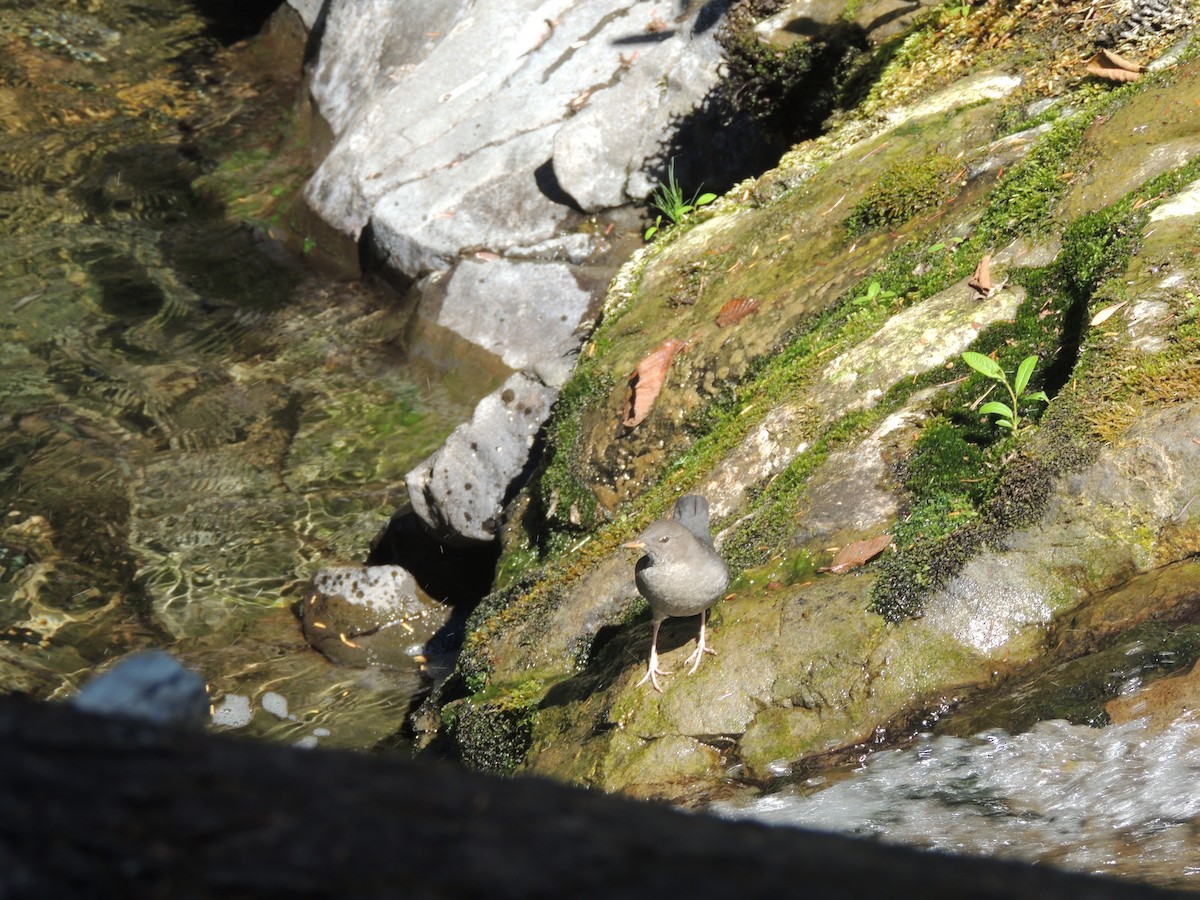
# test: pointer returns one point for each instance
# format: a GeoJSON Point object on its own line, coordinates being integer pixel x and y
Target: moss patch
{"type": "Point", "coordinates": [904, 190]}
{"type": "Point", "coordinates": [492, 730]}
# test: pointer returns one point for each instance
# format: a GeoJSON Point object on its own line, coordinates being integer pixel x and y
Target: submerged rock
{"type": "Point", "coordinates": [370, 616]}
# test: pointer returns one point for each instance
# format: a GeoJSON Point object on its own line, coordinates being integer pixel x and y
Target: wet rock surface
{"type": "Point", "coordinates": [370, 616]}
{"type": "Point", "coordinates": [1090, 494]}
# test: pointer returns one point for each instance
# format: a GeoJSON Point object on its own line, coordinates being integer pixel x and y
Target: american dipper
{"type": "Point", "coordinates": [680, 575]}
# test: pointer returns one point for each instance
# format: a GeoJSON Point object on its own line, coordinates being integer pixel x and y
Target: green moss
{"type": "Point", "coordinates": [952, 515]}
{"type": "Point", "coordinates": [567, 501]}
{"type": "Point", "coordinates": [1015, 117]}
{"type": "Point", "coordinates": [1024, 200]}
{"type": "Point", "coordinates": [903, 191]}
{"type": "Point", "coordinates": [768, 528]}
{"type": "Point", "coordinates": [492, 731]}
{"type": "Point", "coordinates": [790, 90]}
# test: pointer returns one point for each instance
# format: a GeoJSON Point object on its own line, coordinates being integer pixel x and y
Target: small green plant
{"type": "Point", "coordinates": [875, 293]}
{"type": "Point", "coordinates": [988, 367]}
{"type": "Point", "coordinates": [670, 201]}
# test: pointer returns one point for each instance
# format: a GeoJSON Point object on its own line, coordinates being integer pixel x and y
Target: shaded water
{"type": "Point", "coordinates": [193, 421]}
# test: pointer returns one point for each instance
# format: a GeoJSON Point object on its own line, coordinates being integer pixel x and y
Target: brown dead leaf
{"type": "Point", "coordinates": [982, 279]}
{"type": "Point", "coordinates": [854, 555]}
{"type": "Point", "coordinates": [736, 310]}
{"type": "Point", "coordinates": [1106, 64]}
{"type": "Point", "coordinates": [1107, 313]}
{"type": "Point", "coordinates": [647, 379]}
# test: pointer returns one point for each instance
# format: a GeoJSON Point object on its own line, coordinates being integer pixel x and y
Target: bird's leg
{"type": "Point", "coordinates": [701, 649]}
{"type": "Point", "coordinates": [653, 671]}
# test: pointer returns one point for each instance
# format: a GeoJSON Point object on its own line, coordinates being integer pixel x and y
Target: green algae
{"type": "Point", "coordinates": [567, 502]}
{"type": "Point", "coordinates": [492, 730]}
{"type": "Point", "coordinates": [907, 188]}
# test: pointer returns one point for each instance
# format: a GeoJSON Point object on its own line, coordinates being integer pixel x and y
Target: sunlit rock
{"type": "Point", "coordinates": [459, 492]}
{"type": "Point", "coordinates": [527, 313]}
{"type": "Point", "coordinates": [368, 616]}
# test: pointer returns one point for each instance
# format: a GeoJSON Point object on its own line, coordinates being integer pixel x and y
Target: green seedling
{"type": "Point", "coordinates": [875, 292]}
{"type": "Point", "coordinates": [988, 367]}
{"type": "Point", "coordinates": [670, 201]}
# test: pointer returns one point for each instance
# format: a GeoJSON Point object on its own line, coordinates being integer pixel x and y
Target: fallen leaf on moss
{"type": "Point", "coordinates": [1107, 313]}
{"type": "Point", "coordinates": [646, 381]}
{"type": "Point", "coordinates": [736, 310]}
{"type": "Point", "coordinates": [854, 555]}
{"type": "Point", "coordinates": [1106, 64]}
{"type": "Point", "coordinates": [982, 279]}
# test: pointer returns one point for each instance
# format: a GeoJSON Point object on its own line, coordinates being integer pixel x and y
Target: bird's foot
{"type": "Point", "coordinates": [653, 671]}
{"type": "Point", "coordinates": [697, 655]}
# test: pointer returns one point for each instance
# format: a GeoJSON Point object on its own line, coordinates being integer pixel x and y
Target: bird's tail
{"type": "Point", "coordinates": [691, 511]}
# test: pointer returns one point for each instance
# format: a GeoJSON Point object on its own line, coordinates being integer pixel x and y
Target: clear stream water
{"type": "Point", "coordinates": [194, 419]}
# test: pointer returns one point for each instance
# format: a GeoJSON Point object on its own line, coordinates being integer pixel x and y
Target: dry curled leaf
{"type": "Point", "coordinates": [1107, 313]}
{"type": "Point", "coordinates": [736, 310]}
{"type": "Point", "coordinates": [854, 555]}
{"type": "Point", "coordinates": [647, 379]}
{"type": "Point", "coordinates": [1106, 64]}
{"type": "Point", "coordinates": [982, 279]}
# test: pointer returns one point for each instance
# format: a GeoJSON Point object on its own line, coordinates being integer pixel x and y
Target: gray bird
{"type": "Point", "coordinates": [681, 574]}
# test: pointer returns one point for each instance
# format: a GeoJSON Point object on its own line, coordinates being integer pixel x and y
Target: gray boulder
{"type": "Point", "coordinates": [527, 313]}
{"type": "Point", "coordinates": [481, 125]}
{"type": "Point", "coordinates": [460, 490]}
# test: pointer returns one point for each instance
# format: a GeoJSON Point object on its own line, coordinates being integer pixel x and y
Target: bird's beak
{"type": "Point", "coordinates": [635, 545]}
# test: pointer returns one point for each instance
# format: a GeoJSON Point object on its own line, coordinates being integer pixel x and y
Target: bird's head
{"type": "Point", "coordinates": [661, 539]}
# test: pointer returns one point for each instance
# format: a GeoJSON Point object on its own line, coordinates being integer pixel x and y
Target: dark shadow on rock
{"type": "Point", "coordinates": [230, 21]}
{"type": "Point", "coordinates": [616, 649]}
{"type": "Point", "coordinates": [374, 261]}
{"type": "Point", "coordinates": [456, 575]}
{"type": "Point", "coordinates": [649, 37]}
{"type": "Point", "coordinates": [710, 15]}
{"type": "Point", "coordinates": [103, 807]}
{"type": "Point", "coordinates": [746, 123]}
{"type": "Point", "coordinates": [312, 47]}
{"type": "Point", "coordinates": [888, 17]}
{"type": "Point", "coordinates": [547, 183]}
{"type": "Point", "coordinates": [1062, 367]}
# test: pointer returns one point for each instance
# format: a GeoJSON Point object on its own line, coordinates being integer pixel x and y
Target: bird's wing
{"type": "Point", "coordinates": [691, 511]}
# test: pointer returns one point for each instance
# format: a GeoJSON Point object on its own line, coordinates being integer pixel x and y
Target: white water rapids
{"type": "Point", "coordinates": [1117, 800]}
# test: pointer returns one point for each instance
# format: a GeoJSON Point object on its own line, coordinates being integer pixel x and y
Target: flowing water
{"type": "Point", "coordinates": [1116, 800]}
{"type": "Point", "coordinates": [1111, 791]}
{"type": "Point", "coordinates": [194, 419]}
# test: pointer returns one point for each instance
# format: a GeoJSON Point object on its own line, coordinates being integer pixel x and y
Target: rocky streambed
{"type": "Point", "coordinates": [1011, 178]}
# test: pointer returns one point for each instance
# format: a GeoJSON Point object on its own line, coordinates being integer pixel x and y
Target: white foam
{"type": "Point", "coordinates": [1116, 799]}
{"type": "Point", "coordinates": [234, 712]}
